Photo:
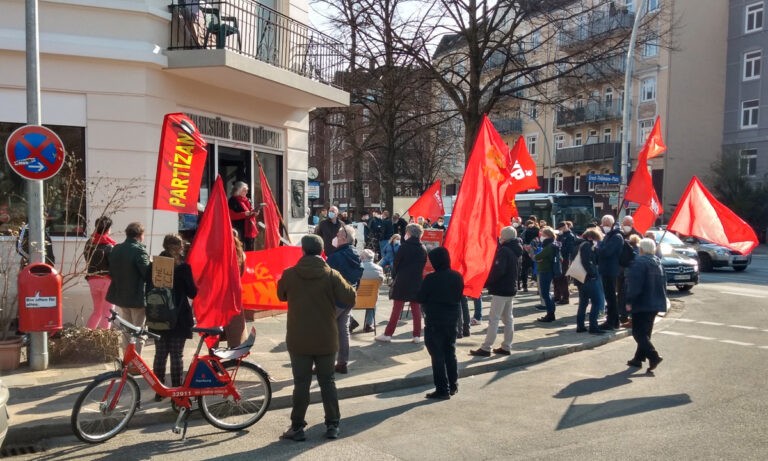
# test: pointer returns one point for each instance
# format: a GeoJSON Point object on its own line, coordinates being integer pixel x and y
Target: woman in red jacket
{"type": "Point", "coordinates": [243, 215]}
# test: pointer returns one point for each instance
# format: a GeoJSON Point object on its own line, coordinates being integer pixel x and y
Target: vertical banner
{"type": "Point", "coordinates": [180, 165]}
{"type": "Point", "coordinates": [270, 213]}
{"type": "Point", "coordinates": [262, 271]}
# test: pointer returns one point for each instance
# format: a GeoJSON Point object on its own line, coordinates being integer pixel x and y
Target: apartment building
{"type": "Point", "coordinates": [744, 130]}
{"type": "Point", "coordinates": [246, 72]}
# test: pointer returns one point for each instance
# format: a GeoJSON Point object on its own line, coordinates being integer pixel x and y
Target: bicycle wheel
{"type": "Point", "coordinates": [92, 419]}
{"type": "Point", "coordinates": [255, 392]}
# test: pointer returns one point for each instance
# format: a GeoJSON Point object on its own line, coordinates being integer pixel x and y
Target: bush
{"type": "Point", "coordinates": [79, 345]}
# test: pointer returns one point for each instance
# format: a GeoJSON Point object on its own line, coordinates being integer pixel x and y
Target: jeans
{"type": "Point", "coordinates": [478, 304]}
{"type": "Point", "coordinates": [545, 282]}
{"type": "Point", "coordinates": [301, 366]}
{"type": "Point", "coordinates": [590, 291]}
{"type": "Point", "coordinates": [642, 328]}
{"type": "Point", "coordinates": [501, 309]}
{"type": "Point", "coordinates": [397, 308]}
{"type": "Point", "coordinates": [370, 317]}
{"type": "Point", "coordinates": [463, 325]}
{"type": "Point", "coordinates": [611, 307]}
{"type": "Point", "coordinates": [441, 345]}
{"type": "Point", "coordinates": [342, 322]}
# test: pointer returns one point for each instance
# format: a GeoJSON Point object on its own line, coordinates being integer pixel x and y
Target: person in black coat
{"type": "Point", "coordinates": [608, 254]}
{"type": "Point", "coordinates": [440, 294]}
{"type": "Point", "coordinates": [407, 272]}
{"type": "Point", "coordinates": [567, 247]}
{"type": "Point", "coordinates": [502, 285]}
{"type": "Point", "coordinates": [591, 290]}
{"type": "Point", "coordinates": [171, 342]}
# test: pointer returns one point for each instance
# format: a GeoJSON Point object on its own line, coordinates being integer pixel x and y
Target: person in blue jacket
{"type": "Point", "coordinates": [608, 253]}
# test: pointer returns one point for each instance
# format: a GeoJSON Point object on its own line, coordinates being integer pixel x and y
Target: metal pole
{"type": "Point", "coordinates": [626, 136]}
{"type": "Point", "coordinates": [38, 347]}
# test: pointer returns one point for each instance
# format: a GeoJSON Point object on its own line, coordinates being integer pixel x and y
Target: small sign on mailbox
{"type": "Point", "coordinates": [37, 301]}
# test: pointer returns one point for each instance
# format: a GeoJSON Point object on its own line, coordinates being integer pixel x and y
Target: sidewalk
{"type": "Point", "coordinates": [41, 401]}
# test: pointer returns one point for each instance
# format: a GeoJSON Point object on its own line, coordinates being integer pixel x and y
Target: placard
{"type": "Point", "coordinates": [162, 271]}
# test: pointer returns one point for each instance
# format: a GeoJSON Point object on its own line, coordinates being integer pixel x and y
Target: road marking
{"type": "Point", "coordinates": [686, 320]}
{"type": "Point", "coordinates": [705, 338]}
{"type": "Point", "coordinates": [742, 294]}
{"type": "Point", "coordinates": [717, 324]}
{"type": "Point", "coordinates": [736, 343]}
{"type": "Point", "coordinates": [671, 333]}
{"type": "Point", "coordinates": [743, 327]}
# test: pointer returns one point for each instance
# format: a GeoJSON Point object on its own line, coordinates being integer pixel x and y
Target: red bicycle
{"type": "Point", "coordinates": [232, 394]}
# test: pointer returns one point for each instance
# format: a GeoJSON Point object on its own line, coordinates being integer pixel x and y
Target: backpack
{"type": "Point", "coordinates": [627, 255]}
{"type": "Point", "coordinates": [162, 313]}
{"type": "Point", "coordinates": [557, 262]}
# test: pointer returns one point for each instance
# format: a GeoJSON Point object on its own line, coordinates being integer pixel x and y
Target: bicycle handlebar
{"type": "Point", "coordinates": [133, 329]}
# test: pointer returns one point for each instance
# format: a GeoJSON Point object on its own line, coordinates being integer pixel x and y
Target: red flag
{"type": "Point", "coordinates": [430, 204]}
{"type": "Point", "coordinates": [522, 177]}
{"type": "Point", "coordinates": [214, 264]}
{"type": "Point", "coordinates": [640, 189]}
{"type": "Point", "coordinates": [270, 213]}
{"type": "Point", "coordinates": [262, 271]}
{"type": "Point", "coordinates": [180, 165]}
{"type": "Point", "coordinates": [476, 219]}
{"type": "Point", "coordinates": [700, 214]}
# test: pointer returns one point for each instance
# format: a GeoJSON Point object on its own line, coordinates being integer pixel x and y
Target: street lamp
{"type": "Point", "coordinates": [381, 183]}
{"type": "Point", "coordinates": [546, 144]}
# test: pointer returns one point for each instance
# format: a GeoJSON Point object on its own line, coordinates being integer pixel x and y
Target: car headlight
{"type": "Point", "coordinates": [695, 267]}
{"type": "Point", "coordinates": [722, 252]}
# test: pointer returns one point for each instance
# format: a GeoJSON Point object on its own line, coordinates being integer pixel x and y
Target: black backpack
{"type": "Point", "coordinates": [162, 313]}
{"type": "Point", "coordinates": [627, 254]}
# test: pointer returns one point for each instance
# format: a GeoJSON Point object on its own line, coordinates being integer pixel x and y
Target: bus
{"type": "Point", "coordinates": [556, 207]}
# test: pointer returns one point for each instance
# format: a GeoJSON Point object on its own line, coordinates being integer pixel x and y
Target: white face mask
{"type": "Point", "coordinates": [335, 242]}
{"type": "Point", "coordinates": [606, 229]}
{"type": "Point", "coordinates": [515, 224]}
{"type": "Point", "coordinates": [626, 229]}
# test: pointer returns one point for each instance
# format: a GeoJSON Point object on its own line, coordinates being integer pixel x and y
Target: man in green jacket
{"type": "Point", "coordinates": [128, 266]}
{"type": "Point", "coordinates": [312, 290]}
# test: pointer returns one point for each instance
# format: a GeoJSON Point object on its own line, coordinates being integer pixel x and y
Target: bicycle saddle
{"type": "Point", "coordinates": [239, 351]}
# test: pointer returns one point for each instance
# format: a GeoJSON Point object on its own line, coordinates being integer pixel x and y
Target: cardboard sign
{"type": "Point", "coordinates": [162, 271]}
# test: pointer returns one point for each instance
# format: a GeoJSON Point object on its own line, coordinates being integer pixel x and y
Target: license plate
{"type": "Point", "coordinates": [740, 258]}
{"type": "Point", "coordinates": [682, 277]}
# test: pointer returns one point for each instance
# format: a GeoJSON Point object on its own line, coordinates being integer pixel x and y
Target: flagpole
{"type": "Point", "coordinates": [627, 103]}
{"type": "Point", "coordinates": [279, 214]}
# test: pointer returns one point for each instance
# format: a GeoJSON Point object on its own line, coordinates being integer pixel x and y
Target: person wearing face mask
{"type": "Point", "coordinates": [608, 254]}
{"type": "Point", "coordinates": [439, 224]}
{"type": "Point", "coordinates": [627, 256]}
{"type": "Point", "coordinates": [544, 261]}
{"type": "Point", "coordinates": [398, 224]}
{"type": "Point", "coordinates": [591, 290]}
{"type": "Point", "coordinates": [567, 247]}
{"type": "Point", "coordinates": [389, 253]}
{"type": "Point", "coordinates": [530, 233]}
{"type": "Point", "coordinates": [347, 261]}
{"type": "Point", "coordinates": [328, 228]}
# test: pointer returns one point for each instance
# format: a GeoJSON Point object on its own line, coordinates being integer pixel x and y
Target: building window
{"type": "Point", "coordinates": [366, 166]}
{"type": "Point", "coordinates": [750, 111]}
{"type": "Point", "coordinates": [592, 137]}
{"type": "Point", "coordinates": [651, 47]}
{"type": "Point", "coordinates": [577, 182]}
{"type": "Point", "coordinates": [558, 182]}
{"type": "Point", "coordinates": [608, 97]}
{"type": "Point", "coordinates": [559, 141]}
{"type": "Point", "coordinates": [577, 139]}
{"type": "Point", "coordinates": [366, 190]}
{"type": "Point", "coordinates": [754, 19]}
{"type": "Point", "coordinates": [591, 185]}
{"type": "Point", "coordinates": [748, 162]}
{"type": "Point", "coordinates": [653, 5]}
{"type": "Point", "coordinates": [645, 127]}
{"type": "Point", "coordinates": [531, 141]}
{"type": "Point", "coordinates": [752, 61]}
{"type": "Point", "coordinates": [648, 89]}
{"type": "Point", "coordinates": [606, 135]}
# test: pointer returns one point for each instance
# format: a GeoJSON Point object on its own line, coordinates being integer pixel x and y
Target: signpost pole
{"type": "Point", "coordinates": [38, 346]}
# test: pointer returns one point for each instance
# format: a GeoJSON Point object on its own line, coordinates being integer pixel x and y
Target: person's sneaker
{"type": "Point", "coordinates": [596, 331]}
{"type": "Point", "coordinates": [501, 351]}
{"type": "Point", "coordinates": [417, 340]}
{"type": "Point", "coordinates": [295, 433]}
{"type": "Point", "coordinates": [546, 319]}
{"type": "Point", "coordinates": [635, 363]}
{"type": "Point", "coordinates": [367, 329]}
{"type": "Point", "coordinates": [341, 368]}
{"type": "Point", "coordinates": [438, 396]}
{"type": "Point", "coordinates": [653, 363]}
{"type": "Point", "coordinates": [454, 389]}
{"type": "Point", "coordinates": [353, 324]}
{"type": "Point", "coordinates": [383, 338]}
{"type": "Point", "coordinates": [479, 353]}
{"type": "Point", "coordinates": [627, 324]}
{"type": "Point", "coordinates": [474, 322]}
{"type": "Point", "coordinates": [606, 326]}
{"type": "Point", "coordinates": [332, 432]}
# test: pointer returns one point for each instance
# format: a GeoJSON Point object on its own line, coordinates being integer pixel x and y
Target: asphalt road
{"type": "Point", "coordinates": [707, 400]}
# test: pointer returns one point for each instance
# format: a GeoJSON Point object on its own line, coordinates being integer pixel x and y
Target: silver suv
{"type": "Point", "coordinates": [712, 255]}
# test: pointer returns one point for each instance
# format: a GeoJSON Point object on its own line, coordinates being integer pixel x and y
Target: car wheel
{"type": "Point", "coordinates": [739, 268]}
{"type": "Point", "coordinates": [705, 262]}
{"type": "Point", "coordinates": [684, 287]}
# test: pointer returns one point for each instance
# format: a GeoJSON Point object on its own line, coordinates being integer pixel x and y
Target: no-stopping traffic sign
{"type": "Point", "coordinates": [34, 152]}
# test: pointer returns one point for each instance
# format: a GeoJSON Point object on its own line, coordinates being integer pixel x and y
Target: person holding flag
{"type": "Point", "coordinates": [243, 215]}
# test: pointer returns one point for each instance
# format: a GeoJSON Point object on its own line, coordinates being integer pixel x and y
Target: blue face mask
{"type": "Point", "coordinates": [331, 214]}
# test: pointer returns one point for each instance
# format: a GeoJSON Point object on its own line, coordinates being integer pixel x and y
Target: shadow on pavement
{"type": "Point", "coordinates": [578, 414]}
{"type": "Point", "coordinates": [594, 385]}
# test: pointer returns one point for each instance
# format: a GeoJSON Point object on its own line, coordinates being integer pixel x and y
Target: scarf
{"type": "Point", "coordinates": [102, 239]}
{"type": "Point", "coordinates": [250, 229]}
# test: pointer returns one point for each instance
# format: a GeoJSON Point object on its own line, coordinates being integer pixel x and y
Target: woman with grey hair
{"type": "Point", "coordinates": [371, 271]}
{"type": "Point", "coordinates": [407, 271]}
{"type": "Point", "coordinates": [243, 215]}
{"type": "Point", "coordinates": [646, 296]}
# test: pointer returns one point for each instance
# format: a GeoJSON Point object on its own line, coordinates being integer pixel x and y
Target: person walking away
{"type": "Point", "coordinates": [625, 260]}
{"type": "Point", "coordinates": [328, 229]}
{"type": "Point", "coordinates": [502, 286]}
{"type": "Point", "coordinates": [347, 262]}
{"type": "Point", "coordinates": [243, 215]}
{"type": "Point", "coordinates": [591, 290]}
{"type": "Point", "coordinates": [544, 260]}
{"type": "Point", "coordinates": [529, 234]}
{"type": "Point", "coordinates": [386, 232]}
{"type": "Point", "coordinates": [608, 253]}
{"type": "Point", "coordinates": [97, 250]}
{"type": "Point", "coordinates": [440, 294]}
{"type": "Point", "coordinates": [128, 267]}
{"type": "Point", "coordinates": [646, 294]}
{"type": "Point", "coordinates": [312, 290]}
{"type": "Point", "coordinates": [171, 342]}
{"type": "Point", "coordinates": [407, 271]}
{"type": "Point", "coordinates": [567, 243]}
{"type": "Point", "coordinates": [371, 271]}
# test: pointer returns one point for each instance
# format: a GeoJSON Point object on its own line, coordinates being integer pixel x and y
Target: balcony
{"type": "Point", "coordinates": [244, 46]}
{"type": "Point", "coordinates": [597, 26]}
{"type": "Point", "coordinates": [599, 152]}
{"type": "Point", "coordinates": [508, 125]}
{"type": "Point", "coordinates": [592, 112]}
{"type": "Point", "coordinates": [600, 71]}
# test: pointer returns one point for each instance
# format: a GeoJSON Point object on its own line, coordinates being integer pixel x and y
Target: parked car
{"type": "Point", "coordinates": [681, 271]}
{"type": "Point", "coordinates": [3, 411]}
{"type": "Point", "coordinates": [673, 241]}
{"type": "Point", "coordinates": [712, 255]}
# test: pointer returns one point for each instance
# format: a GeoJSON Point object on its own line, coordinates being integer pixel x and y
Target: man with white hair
{"type": "Point", "coordinates": [371, 271]}
{"type": "Point", "coordinates": [608, 255]}
{"type": "Point", "coordinates": [625, 260]}
{"type": "Point", "coordinates": [328, 228]}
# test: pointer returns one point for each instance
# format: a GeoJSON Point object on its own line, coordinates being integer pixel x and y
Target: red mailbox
{"type": "Point", "coordinates": [39, 298]}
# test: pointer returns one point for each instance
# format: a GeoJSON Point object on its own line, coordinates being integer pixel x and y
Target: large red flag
{"type": "Point", "coordinates": [180, 165]}
{"type": "Point", "coordinates": [522, 177]}
{"type": "Point", "coordinates": [214, 264]}
{"type": "Point", "coordinates": [476, 219]}
{"type": "Point", "coordinates": [640, 189]}
{"type": "Point", "coordinates": [262, 271]}
{"type": "Point", "coordinates": [430, 204]}
{"type": "Point", "coordinates": [700, 214]}
{"type": "Point", "coordinates": [270, 213]}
